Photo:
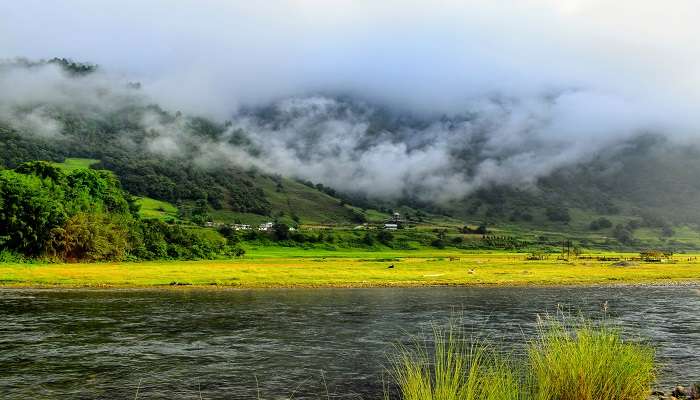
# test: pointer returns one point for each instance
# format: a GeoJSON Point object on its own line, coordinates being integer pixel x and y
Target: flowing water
{"type": "Point", "coordinates": [316, 343]}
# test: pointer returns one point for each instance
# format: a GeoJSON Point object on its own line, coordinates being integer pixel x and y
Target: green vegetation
{"type": "Point", "coordinates": [655, 184]}
{"type": "Point", "coordinates": [455, 368]}
{"type": "Point", "coordinates": [156, 209]}
{"type": "Point", "coordinates": [123, 223]}
{"type": "Point", "coordinates": [566, 361]}
{"type": "Point", "coordinates": [649, 200]}
{"type": "Point", "coordinates": [79, 214]}
{"type": "Point", "coordinates": [71, 164]}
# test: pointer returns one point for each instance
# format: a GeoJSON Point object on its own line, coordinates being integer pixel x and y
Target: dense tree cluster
{"type": "Point", "coordinates": [84, 215]}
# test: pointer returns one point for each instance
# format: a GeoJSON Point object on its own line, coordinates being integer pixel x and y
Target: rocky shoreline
{"type": "Point", "coordinates": [691, 392]}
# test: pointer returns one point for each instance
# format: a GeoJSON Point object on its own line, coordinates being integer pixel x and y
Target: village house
{"type": "Point", "coordinates": [266, 226]}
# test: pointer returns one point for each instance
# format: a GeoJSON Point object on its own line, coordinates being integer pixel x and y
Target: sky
{"type": "Point", "coordinates": [581, 74]}
{"type": "Point", "coordinates": [423, 55]}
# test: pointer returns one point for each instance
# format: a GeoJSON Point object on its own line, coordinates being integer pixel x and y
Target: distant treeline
{"type": "Point", "coordinates": [84, 215]}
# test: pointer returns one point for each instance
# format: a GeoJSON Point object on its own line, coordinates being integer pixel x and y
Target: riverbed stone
{"type": "Point", "coordinates": [695, 391]}
{"type": "Point", "coordinates": [680, 392]}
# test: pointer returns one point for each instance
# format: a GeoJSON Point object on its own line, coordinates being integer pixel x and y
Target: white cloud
{"type": "Point", "coordinates": [548, 82]}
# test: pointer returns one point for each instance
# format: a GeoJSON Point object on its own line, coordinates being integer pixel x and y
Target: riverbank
{"type": "Point", "coordinates": [361, 270]}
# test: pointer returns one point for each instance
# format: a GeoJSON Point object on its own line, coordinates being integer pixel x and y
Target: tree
{"type": "Point", "coordinates": [280, 231]}
{"type": "Point", "coordinates": [368, 239]}
{"type": "Point", "coordinates": [438, 243]}
{"type": "Point", "coordinates": [358, 216]}
{"type": "Point", "coordinates": [667, 231]}
{"type": "Point", "coordinates": [600, 223]}
{"type": "Point", "coordinates": [89, 237]}
{"type": "Point", "coordinates": [30, 208]}
{"type": "Point", "coordinates": [385, 237]}
{"type": "Point", "coordinates": [623, 234]}
{"type": "Point", "coordinates": [558, 214]}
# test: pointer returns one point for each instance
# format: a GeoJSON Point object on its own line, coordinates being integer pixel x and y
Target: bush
{"type": "Point", "coordinates": [7, 256]}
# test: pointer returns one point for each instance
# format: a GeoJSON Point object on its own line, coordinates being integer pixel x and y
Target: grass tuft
{"type": "Point", "coordinates": [586, 361]}
{"type": "Point", "coordinates": [454, 368]}
{"type": "Point", "coordinates": [568, 360]}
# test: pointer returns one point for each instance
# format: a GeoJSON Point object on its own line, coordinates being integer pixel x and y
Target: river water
{"type": "Point", "coordinates": [245, 344]}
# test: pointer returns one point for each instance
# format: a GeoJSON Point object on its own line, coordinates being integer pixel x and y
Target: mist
{"type": "Point", "coordinates": [475, 93]}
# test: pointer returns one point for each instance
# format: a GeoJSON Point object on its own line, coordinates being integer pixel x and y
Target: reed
{"type": "Point", "coordinates": [569, 359]}
{"type": "Point", "coordinates": [587, 361]}
{"type": "Point", "coordinates": [453, 367]}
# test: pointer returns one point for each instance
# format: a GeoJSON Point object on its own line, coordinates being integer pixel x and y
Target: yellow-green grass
{"type": "Point", "coordinates": [156, 209]}
{"type": "Point", "coordinates": [361, 269]}
{"type": "Point", "coordinates": [588, 361]}
{"type": "Point", "coordinates": [70, 164]}
{"type": "Point", "coordinates": [568, 359]}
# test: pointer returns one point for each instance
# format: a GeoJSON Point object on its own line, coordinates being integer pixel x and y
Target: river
{"type": "Point", "coordinates": [236, 344]}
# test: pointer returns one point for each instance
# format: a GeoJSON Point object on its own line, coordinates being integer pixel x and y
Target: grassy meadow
{"type": "Point", "coordinates": [71, 164]}
{"type": "Point", "coordinates": [278, 267]}
{"type": "Point", "coordinates": [152, 208]}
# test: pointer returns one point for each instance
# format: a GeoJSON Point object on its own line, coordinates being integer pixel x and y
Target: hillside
{"type": "Point", "coordinates": [649, 198]}
{"type": "Point", "coordinates": [641, 193]}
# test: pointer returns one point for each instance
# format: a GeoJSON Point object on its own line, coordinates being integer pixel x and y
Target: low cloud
{"type": "Point", "coordinates": [390, 98]}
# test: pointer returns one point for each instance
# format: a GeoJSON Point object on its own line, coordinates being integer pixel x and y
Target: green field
{"type": "Point", "coordinates": [71, 164]}
{"type": "Point", "coordinates": [151, 208]}
{"type": "Point", "coordinates": [353, 269]}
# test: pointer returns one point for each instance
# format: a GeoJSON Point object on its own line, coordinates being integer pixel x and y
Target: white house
{"type": "Point", "coordinates": [240, 227]}
{"type": "Point", "coordinates": [391, 227]}
{"type": "Point", "coordinates": [266, 226]}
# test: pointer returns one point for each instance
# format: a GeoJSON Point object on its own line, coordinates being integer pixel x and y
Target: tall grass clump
{"type": "Point", "coordinates": [586, 361]}
{"type": "Point", "coordinates": [453, 367]}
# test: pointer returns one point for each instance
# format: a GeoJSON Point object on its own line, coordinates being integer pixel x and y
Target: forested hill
{"type": "Point", "coordinates": [213, 170]}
